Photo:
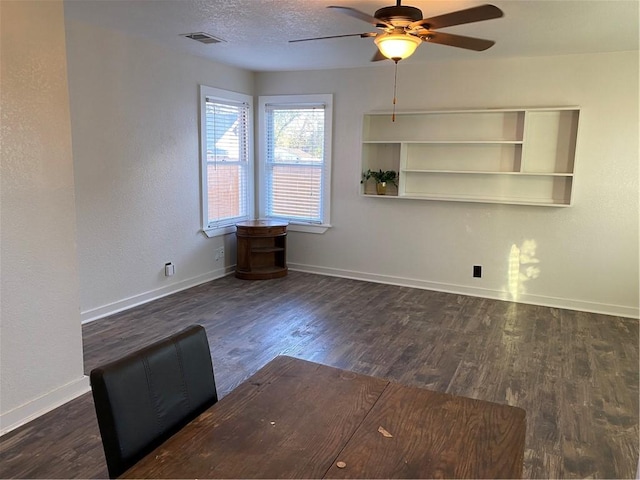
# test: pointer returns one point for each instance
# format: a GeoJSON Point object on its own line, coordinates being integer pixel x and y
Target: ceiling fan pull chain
{"type": "Point", "coordinates": [395, 89]}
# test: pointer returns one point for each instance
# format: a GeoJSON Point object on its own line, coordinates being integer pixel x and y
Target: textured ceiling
{"type": "Point", "coordinates": [256, 32]}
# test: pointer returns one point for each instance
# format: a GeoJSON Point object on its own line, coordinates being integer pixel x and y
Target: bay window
{"type": "Point", "coordinates": [226, 159]}
{"type": "Point", "coordinates": [295, 160]}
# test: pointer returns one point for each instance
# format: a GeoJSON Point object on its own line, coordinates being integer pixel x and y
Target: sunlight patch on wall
{"type": "Point", "coordinates": [523, 267]}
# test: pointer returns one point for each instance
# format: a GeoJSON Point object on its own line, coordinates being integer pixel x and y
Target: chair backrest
{"type": "Point", "coordinates": [144, 398]}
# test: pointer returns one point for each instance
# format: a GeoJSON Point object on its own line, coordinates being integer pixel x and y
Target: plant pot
{"type": "Point", "coordinates": [381, 188]}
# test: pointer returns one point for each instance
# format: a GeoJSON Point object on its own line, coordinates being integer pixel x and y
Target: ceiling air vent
{"type": "Point", "coordinates": [202, 37]}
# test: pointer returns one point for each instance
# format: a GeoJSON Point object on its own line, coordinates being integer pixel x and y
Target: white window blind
{"type": "Point", "coordinates": [295, 169]}
{"type": "Point", "coordinates": [227, 171]}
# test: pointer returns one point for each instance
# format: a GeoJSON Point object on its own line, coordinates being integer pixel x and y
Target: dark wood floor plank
{"type": "Point", "coordinates": [575, 373]}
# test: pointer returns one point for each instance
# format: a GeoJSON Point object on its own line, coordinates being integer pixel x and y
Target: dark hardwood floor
{"type": "Point", "coordinates": [575, 373]}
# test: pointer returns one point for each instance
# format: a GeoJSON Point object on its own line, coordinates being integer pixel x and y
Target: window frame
{"type": "Point", "coordinates": [222, 95]}
{"type": "Point", "coordinates": [293, 101]}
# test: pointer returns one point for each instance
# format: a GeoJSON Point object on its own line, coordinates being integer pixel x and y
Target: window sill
{"type": "Point", "coordinates": [218, 232]}
{"type": "Point", "coordinates": [307, 228]}
{"type": "Point", "coordinates": [292, 227]}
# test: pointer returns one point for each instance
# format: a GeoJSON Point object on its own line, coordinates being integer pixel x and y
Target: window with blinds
{"type": "Point", "coordinates": [296, 159]}
{"type": "Point", "coordinates": [226, 159]}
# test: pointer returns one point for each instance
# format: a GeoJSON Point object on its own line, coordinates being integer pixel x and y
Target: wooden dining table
{"type": "Point", "coordinates": [299, 419]}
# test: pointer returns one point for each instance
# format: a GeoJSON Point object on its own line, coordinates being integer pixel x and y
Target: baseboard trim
{"type": "Point", "coordinates": [93, 314]}
{"type": "Point", "coordinates": [580, 305]}
{"type": "Point", "coordinates": [39, 406]}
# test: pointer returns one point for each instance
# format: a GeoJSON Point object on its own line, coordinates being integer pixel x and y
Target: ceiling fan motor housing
{"type": "Point", "coordinates": [399, 15]}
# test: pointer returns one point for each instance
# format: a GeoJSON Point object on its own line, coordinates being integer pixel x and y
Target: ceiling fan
{"type": "Point", "coordinates": [403, 29]}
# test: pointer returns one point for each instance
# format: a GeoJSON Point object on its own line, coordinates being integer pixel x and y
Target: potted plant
{"type": "Point", "coordinates": [381, 177]}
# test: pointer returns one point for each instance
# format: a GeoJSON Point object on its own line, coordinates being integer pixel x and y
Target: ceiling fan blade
{"type": "Point", "coordinates": [352, 12]}
{"type": "Point", "coordinates": [378, 57]}
{"type": "Point", "coordinates": [470, 15]}
{"type": "Point", "coordinates": [470, 43]}
{"type": "Point", "coordinates": [361, 35]}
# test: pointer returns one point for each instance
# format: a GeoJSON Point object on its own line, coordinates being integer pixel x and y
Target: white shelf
{"type": "Point", "coordinates": [480, 172]}
{"type": "Point", "coordinates": [449, 142]}
{"type": "Point", "coordinates": [514, 156]}
{"type": "Point", "coordinates": [471, 199]}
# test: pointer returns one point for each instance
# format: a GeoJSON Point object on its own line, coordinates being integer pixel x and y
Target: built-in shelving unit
{"type": "Point", "coordinates": [514, 156]}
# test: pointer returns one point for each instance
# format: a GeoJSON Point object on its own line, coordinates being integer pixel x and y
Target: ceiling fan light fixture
{"type": "Point", "coordinates": [397, 46]}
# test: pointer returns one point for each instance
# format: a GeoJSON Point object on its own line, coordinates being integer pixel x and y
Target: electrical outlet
{"type": "Point", "coordinates": [219, 253]}
{"type": "Point", "coordinates": [477, 271]}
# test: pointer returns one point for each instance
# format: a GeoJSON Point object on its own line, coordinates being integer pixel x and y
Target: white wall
{"type": "Point", "coordinates": [588, 253]}
{"type": "Point", "coordinates": [134, 121]}
{"type": "Point", "coordinates": [134, 112]}
{"type": "Point", "coordinates": [41, 339]}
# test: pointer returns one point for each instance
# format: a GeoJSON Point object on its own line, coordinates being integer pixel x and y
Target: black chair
{"type": "Point", "coordinates": [144, 398]}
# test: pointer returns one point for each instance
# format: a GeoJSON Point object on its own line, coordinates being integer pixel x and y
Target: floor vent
{"type": "Point", "coordinates": [202, 37]}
